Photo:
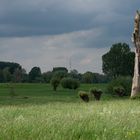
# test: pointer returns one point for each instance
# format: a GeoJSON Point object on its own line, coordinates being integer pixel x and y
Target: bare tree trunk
{"type": "Point", "coordinates": [136, 40]}
{"type": "Point", "coordinates": [136, 79]}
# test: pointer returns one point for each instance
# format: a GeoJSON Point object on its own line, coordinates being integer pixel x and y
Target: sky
{"type": "Point", "coordinates": [53, 33]}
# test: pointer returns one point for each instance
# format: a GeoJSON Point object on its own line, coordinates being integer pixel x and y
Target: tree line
{"type": "Point", "coordinates": [13, 72]}
{"type": "Point", "coordinates": [118, 61]}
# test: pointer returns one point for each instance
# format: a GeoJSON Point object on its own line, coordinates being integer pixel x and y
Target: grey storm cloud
{"type": "Point", "coordinates": [49, 33]}
{"type": "Point", "coordinates": [49, 17]}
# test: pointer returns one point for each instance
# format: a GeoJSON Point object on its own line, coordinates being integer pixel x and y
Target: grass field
{"type": "Point", "coordinates": [61, 115]}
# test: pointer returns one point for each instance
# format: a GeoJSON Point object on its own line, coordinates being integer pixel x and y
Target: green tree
{"type": "Point", "coordinates": [119, 61]}
{"type": "Point", "coordinates": [6, 74]}
{"type": "Point", "coordinates": [47, 76]}
{"type": "Point", "coordinates": [25, 76]}
{"type": "Point", "coordinates": [100, 78]}
{"type": "Point", "coordinates": [87, 77]}
{"type": "Point", "coordinates": [56, 69]}
{"type": "Point", "coordinates": [34, 74]}
{"type": "Point", "coordinates": [55, 81]}
{"type": "Point", "coordinates": [56, 78]}
{"type": "Point", "coordinates": [1, 76]}
{"type": "Point", "coordinates": [12, 66]}
{"type": "Point", "coordinates": [74, 74]}
{"type": "Point", "coordinates": [17, 75]}
{"type": "Point", "coordinates": [60, 74]}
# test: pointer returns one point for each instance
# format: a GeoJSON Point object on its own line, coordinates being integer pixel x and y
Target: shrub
{"type": "Point", "coordinates": [84, 96]}
{"type": "Point", "coordinates": [59, 74]}
{"type": "Point", "coordinates": [119, 90]}
{"type": "Point", "coordinates": [124, 82]}
{"type": "Point", "coordinates": [56, 78]}
{"type": "Point", "coordinates": [70, 83]}
{"type": "Point", "coordinates": [96, 92]}
{"type": "Point", "coordinates": [55, 83]}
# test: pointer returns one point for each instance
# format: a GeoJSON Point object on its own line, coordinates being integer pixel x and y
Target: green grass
{"type": "Point", "coordinates": [41, 94]}
{"type": "Point", "coordinates": [61, 115]}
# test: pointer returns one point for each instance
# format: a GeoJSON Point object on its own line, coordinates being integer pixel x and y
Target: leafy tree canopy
{"type": "Point", "coordinates": [56, 69]}
{"type": "Point", "coordinates": [12, 66]}
{"type": "Point", "coordinates": [34, 73]}
{"type": "Point", "coordinates": [119, 61]}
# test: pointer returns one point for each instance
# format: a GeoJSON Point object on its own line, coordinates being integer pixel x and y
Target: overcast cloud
{"type": "Point", "coordinates": [48, 33]}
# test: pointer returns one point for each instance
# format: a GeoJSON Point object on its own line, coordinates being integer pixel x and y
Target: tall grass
{"type": "Point", "coordinates": [47, 115]}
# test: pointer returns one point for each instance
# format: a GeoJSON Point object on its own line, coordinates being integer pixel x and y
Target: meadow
{"type": "Point", "coordinates": [39, 113]}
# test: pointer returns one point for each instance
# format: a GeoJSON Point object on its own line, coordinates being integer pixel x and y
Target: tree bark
{"type": "Point", "coordinates": [136, 79]}
{"type": "Point", "coordinates": [136, 40]}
